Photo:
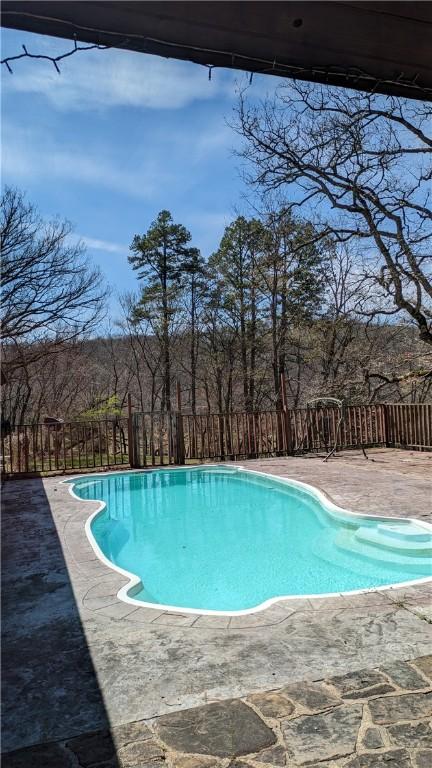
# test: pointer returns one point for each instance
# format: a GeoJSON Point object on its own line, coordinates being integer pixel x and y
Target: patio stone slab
{"type": "Point", "coordinates": [323, 737]}
{"type": "Point", "coordinates": [39, 756]}
{"type": "Point", "coordinates": [404, 675]}
{"type": "Point", "coordinates": [424, 663]}
{"type": "Point", "coordinates": [392, 709]}
{"type": "Point", "coordinates": [138, 731]}
{"type": "Point", "coordinates": [357, 681]}
{"type": "Point", "coordinates": [175, 619]}
{"type": "Point", "coordinates": [193, 761]}
{"type": "Point", "coordinates": [274, 705]}
{"type": "Point", "coordinates": [372, 739]}
{"type": "Point", "coordinates": [395, 758]}
{"type": "Point", "coordinates": [105, 588]}
{"type": "Point", "coordinates": [256, 620]}
{"type": "Point", "coordinates": [407, 734]}
{"type": "Point", "coordinates": [92, 748]}
{"type": "Point", "coordinates": [365, 693]}
{"type": "Point", "coordinates": [213, 622]}
{"type": "Point", "coordinates": [143, 616]}
{"type": "Point", "coordinates": [117, 610]}
{"type": "Point", "coordinates": [312, 696]}
{"type": "Point", "coordinates": [139, 753]}
{"type": "Point", "coordinates": [423, 758]}
{"type": "Point", "coordinates": [272, 756]}
{"type": "Point", "coordinates": [100, 601]}
{"type": "Point", "coordinates": [225, 729]}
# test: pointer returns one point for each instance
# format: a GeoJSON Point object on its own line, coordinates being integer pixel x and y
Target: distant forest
{"type": "Point", "coordinates": [269, 300]}
{"type": "Point", "coordinates": [329, 284]}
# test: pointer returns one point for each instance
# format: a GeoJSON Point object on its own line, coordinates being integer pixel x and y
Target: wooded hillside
{"type": "Point", "coordinates": [329, 283]}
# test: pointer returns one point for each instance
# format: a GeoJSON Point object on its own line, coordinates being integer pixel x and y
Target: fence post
{"type": "Point", "coordinates": [385, 421]}
{"type": "Point", "coordinates": [130, 433]}
{"type": "Point", "coordinates": [286, 415]}
{"type": "Point", "coordinates": [180, 446]}
{"type": "Point", "coordinates": [221, 436]}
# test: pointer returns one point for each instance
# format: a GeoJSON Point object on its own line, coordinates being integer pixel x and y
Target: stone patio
{"type": "Point", "coordinates": [366, 719]}
{"type": "Point", "coordinates": [76, 660]}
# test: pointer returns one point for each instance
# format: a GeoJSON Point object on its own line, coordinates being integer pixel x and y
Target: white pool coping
{"type": "Point", "coordinates": [135, 583]}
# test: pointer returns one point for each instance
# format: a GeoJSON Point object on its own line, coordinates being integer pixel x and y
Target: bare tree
{"type": "Point", "coordinates": [364, 162]}
{"type": "Point", "coordinates": [144, 355]}
{"type": "Point", "coordinates": [291, 283]}
{"type": "Point", "coordinates": [49, 294]}
{"type": "Point", "coordinates": [338, 329]}
{"type": "Point", "coordinates": [194, 287]}
{"type": "Point", "coordinates": [45, 387]}
{"type": "Point", "coordinates": [221, 350]}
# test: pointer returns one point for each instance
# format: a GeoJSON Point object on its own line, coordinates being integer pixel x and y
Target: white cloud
{"type": "Point", "coordinates": [30, 153]}
{"type": "Point", "coordinates": [114, 78]}
{"type": "Point", "coordinates": [102, 245]}
{"type": "Point", "coordinates": [212, 141]}
{"type": "Point", "coordinates": [27, 155]}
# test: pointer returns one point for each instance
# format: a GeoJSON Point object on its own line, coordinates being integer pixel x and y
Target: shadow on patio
{"type": "Point", "coordinates": [50, 688]}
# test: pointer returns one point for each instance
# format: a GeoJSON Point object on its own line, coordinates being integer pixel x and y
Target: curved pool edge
{"type": "Point", "coordinates": [333, 509]}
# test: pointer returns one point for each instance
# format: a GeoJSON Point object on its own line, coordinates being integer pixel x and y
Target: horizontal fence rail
{"type": "Point", "coordinates": [162, 439]}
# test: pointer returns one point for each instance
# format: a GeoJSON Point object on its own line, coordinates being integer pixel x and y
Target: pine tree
{"type": "Point", "coordinates": [160, 257]}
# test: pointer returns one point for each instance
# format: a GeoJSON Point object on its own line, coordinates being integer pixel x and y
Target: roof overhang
{"type": "Point", "coordinates": [372, 46]}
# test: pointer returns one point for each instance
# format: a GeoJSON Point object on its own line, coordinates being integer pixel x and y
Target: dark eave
{"type": "Point", "coordinates": [380, 46]}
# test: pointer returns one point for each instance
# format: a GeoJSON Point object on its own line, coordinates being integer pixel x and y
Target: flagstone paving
{"type": "Point", "coordinates": [307, 724]}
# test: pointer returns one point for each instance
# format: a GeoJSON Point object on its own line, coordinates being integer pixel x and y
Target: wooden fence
{"type": "Point", "coordinates": [178, 438]}
{"type": "Point", "coordinates": [409, 426]}
{"type": "Point", "coordinates": [219, 436]}
{"type": "Point", "coordinates": [148, 440]}
{"type": "Point", "coordinates": [63, 446]}
{"type": "Point", "coordinates": [154, 439]}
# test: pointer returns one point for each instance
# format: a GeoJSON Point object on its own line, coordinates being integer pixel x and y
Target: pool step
{"type": "Point", "coordinates": [400, 538]}
{"type": "Point", "coordinates": [368, 549]}
{"type": "Point", "coordinates": [405, 531]}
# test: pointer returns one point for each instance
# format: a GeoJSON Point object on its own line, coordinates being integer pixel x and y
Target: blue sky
{"type": "Point", "coordinates": [117, 137]}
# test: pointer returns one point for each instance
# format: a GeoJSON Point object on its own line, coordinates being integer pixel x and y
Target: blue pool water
{"type": "Point", "coordinates": [227, 540]}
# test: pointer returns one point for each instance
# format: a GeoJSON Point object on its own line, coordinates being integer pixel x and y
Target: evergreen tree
{"type": "Point", "coordinates": [292, 281]}
{"type": "Point", "coordinates": [160, 257]}
{"type": "Point", "coordinates": [194, 287]}
{"type": "Point", "coordinates": [236, 263]}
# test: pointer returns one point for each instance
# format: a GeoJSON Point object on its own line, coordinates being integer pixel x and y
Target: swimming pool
{"type": "Point", "coordinates": [228, 540]}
